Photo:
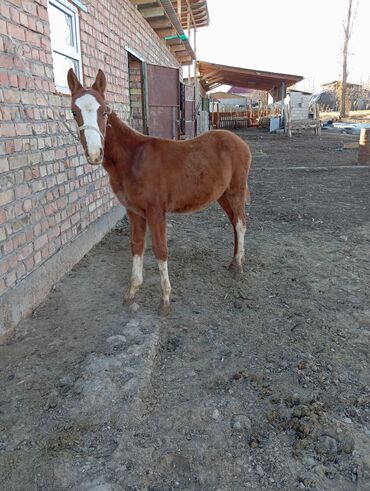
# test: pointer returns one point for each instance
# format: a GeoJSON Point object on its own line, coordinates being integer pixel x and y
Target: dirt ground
{"type": "Point", "coordinates": [261, 383]}
{"type": "Point", "coordinates": [358, 116]}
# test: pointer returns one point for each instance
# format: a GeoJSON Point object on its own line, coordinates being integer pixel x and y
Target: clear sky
{"type": "Point", "coordinates": [301, 37]}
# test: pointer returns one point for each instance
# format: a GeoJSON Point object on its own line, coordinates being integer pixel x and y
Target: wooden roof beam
{"type": "Point", "coordinates": [177, 47]}
{"type": "Point", "coordinates": [160, 23]}
{"type": "Point", "coordinates": [139, 3]}
{"type": "Point", "coordinates": [199, 12]}
{"type": "Point", "coordinates": [191, 13]}
{"type": "Point", "coordinates": [206, 75]}
{"type": "Point", "coordinates": [185, 61]}
{"type": "Point", "coordinates": [211, 76]}
{"type": "Point", "coordinates": [214, 86]}
{"type": "Point", "coordinates": [210, 80]}
{"type": "Point", "coordinates": [152, 12]}
{"type": "Point", "coordinates": [259, 73]}
{"type": "Point", "coordinates": [162, 33]}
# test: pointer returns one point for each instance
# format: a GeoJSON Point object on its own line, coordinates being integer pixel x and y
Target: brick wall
{"type": "Point", "coordinates": [299, 105]}
{"type": "Point", "coordinates": [48, 193]}
{"type": "Point", "coordinates": [136, 101]}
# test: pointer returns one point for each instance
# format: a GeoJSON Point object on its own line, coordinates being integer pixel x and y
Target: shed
{"type": "Point", "coordinates": [213, 75]}
{"type": "Point", "coordinates": [298, 115]}
{"type": "Point", "coordinates": [299, 102]}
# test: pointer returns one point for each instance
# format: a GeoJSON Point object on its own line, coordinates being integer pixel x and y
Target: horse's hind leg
{"type": "Point", "coordinates": [157, 225]}
{"type": "Point", "coordinates": [138, 230]}
{"type": "Point", "coordinates": [234, 206]}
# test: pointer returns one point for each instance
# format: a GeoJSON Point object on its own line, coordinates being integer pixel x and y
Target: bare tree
{"type": "Point", "coordinates": [348, 27]}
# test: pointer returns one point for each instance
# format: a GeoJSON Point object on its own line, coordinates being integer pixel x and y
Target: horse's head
{"type": "Point", "coordinates": [90, 112]}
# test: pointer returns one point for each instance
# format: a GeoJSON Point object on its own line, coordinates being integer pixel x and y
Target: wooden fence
{"type": "Point", "coordinates": [229, 120]}
{"type": "Point", "coordinates": [236, 119]}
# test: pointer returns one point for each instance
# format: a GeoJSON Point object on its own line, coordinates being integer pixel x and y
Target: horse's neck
{"type": "Point", "coordinates": [120, 141]}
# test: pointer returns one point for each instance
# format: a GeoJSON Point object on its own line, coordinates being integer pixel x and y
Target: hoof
{"type": "Point", "coordinates": [236, 269]}
{"type": "Point", "coordinates": [164, 308]}
{"type": "Point", "coordinates": [127, 300]}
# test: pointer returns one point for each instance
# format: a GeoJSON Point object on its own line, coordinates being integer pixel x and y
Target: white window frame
{"type": "Point", "coordinates": [73, 52]}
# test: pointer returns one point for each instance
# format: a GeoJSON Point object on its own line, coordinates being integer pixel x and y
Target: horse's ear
{"type": "Point", "coordinates": [73, 82]}
{"type": "Point", "coordinates": [100, 82]}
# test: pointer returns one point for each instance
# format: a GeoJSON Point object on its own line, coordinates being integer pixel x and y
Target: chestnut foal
{"type": "Point", "coordinates": [152, 176]}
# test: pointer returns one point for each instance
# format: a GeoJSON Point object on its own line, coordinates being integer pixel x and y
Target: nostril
{"type": "Point", "coordinates": [95, 157]}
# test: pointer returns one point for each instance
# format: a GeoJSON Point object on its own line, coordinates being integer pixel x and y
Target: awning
{"type": "Point", "coordinates": [212, 75]}
{"type": "Point", "coordinates": [171, 20]}
{"type": "Point", "coordinates": [199, 11]}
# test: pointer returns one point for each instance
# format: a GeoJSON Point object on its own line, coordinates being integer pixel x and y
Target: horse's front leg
{"type": "Point", "coordinates": [157, 224]}
{"type": "Point", "coordinates": [138, 230]}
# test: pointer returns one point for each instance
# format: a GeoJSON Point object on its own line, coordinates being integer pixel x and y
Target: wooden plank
{"type": "Point", "coordinates": [152, 12]}
{"type": "Point", "coordinates": [162, 33]}
{"type": "Point", "coordinates": [144, 2]}
{"type": "Point", "coordinates": [190, 11]}
{"type": "Point", "coordinates": [207, 75]}
{"type": "Point", "coordinates": [175, 48]}
{"type": "Point", "coordinates": [160, 23]}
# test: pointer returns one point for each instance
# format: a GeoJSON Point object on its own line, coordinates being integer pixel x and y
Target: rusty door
{"type": "Point", "coordinates": [162, 91]}
{"type": "Point", "coordinates": [189, 111]}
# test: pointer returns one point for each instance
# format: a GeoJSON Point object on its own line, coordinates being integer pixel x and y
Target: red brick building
{"type": "Point", "coordinates": [53, 205]}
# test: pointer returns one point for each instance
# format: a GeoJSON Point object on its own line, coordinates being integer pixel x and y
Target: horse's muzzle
{"type": "Point", "coordinates": [95, 162]}
{"type": "Point", "coordinates": [95, 159]}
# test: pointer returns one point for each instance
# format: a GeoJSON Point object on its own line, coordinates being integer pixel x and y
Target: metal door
{"type": "Point", "coordinates": [189, 111]}
{"type": "Point", "coordinates": [162, 90]}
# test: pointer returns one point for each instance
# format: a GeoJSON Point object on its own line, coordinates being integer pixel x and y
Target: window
{"type": "Point", "coordinates": [65, 42]}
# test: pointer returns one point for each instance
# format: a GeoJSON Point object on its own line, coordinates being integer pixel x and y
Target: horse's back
{"type": "Point", "coordinates": [229, 148]}
{"type": "Point", "coordinates": [205, 168]}
{"type": "Point", "coordinates": [187, 175]}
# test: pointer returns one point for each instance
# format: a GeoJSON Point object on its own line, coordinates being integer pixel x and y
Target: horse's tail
{"type": "Point", "coordinates": [248, 167]}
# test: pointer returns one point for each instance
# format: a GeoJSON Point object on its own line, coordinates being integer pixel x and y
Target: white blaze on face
{"type": "Point", "coordinates": [89, 111]}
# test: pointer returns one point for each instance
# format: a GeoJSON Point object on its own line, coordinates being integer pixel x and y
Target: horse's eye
{"type": "Point", "coordinates": [105, 113]}
{"type": "Point", "coordinates": [74, 114]}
